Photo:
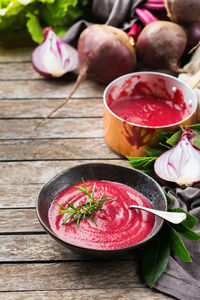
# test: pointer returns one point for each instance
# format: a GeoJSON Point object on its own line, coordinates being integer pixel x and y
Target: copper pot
{"type": "Point", "coordinates": [129, 139]}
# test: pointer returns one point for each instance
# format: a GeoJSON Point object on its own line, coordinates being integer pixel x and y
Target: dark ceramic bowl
{"type": "Point", "coordinates": [99, 171]}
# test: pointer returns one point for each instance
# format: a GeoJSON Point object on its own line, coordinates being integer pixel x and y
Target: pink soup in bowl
{"type": "Point", "coordinates": [116, 228]}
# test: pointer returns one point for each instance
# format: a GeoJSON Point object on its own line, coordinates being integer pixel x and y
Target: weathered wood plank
{"type": "Point", "coordinates": [30, 248]}
{"type": "Point", "coordinates": [68, 275]}
{"type": "Point", "coordinates": [19, 195]}
{"type": "Point", "coordinates": [42, 171]}
{"type": "Point", "coordinates": [41, 107]}
{"type": "Point", "coordinates": [19, 220]}
{"type": "Point", "coordinates": [55, 149]}
{"type": "Point", "coordinates": [52, 128]}
{"type": "Point", "coordinates": [48, 88]}
{"type": "Point", "coordinates": [18, 71]}
{"type": "Point", "coordinates": [92, 294]}
{"type": "Point", "coordinates": [21, 54]}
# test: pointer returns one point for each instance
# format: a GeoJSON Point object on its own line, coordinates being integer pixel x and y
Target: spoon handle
{"type": "Point", "coordinates": [172, 217]}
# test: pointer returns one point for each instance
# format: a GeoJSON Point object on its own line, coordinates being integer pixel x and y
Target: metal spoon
{"type": "Point", "coordinates": [172, 217]}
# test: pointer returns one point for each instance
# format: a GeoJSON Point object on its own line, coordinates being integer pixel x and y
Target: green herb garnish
{"type": "Point", "coordinates": [83, 210]}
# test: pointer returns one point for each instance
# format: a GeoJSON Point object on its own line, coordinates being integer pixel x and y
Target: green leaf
{"type": "Point", "coordinates": [25, 2]}
{"type": "Point", "coordinates": [60, 31]}
{"type": "Point", "coordinates": [61, 12]}
{"type": "Point", "coordinates": [34, 28]}
{"type": "Point", "coordinates": [190, 221]}
{"type": "Point", "coordinates": [141, 162]}
{"type": "Point", "coordinates": [178, 246]}
{"type": "Point", "coordinates": [173, 140]}
{"type": "Point", "coordinates": [196, 139]}
{"type": "Point", "coordinates": [154, 152]}
{"type": "Point", "coordinates": [166, 147]}
{"type": "Point", "coordinates": [195, 127]}
{"type": "Point", "coordinates": [169, 199]}
{"type": "Point", "coordinates": [164, 136]}
{"type": "Point", "coordinates": [186, 232]}
{"type": "Point", "coordinates": [155, 257]}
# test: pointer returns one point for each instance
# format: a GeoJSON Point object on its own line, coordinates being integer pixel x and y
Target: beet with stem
{"type": "Point", "coordinates": [161, 45]}
{"type": "Point", "coordinates": [105, 53]}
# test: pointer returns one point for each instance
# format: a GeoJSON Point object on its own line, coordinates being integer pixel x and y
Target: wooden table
{"type": "Point", "coordinates": [33, 265]}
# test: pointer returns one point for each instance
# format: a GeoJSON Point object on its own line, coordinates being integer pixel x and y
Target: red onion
{"type": "Point", "coordinates": [54, 58]}
{"type": "Point", "coordinates": [180, 164]}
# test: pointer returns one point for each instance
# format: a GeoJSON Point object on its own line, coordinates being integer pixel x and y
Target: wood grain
{"type": "Point", "coordinates": [20, 54]}
{"type": "Point", "coordinates": [91, 294]}
{"type": "Point", "coordinates": [55, 149]}
{"type": "Point", "coordinates": [27, 248]}
{"type": "Point", "coordinates": [18, 71]}
{"type": "Point", "coordinates": [52, 128]}
{"type": "Point", "coordinates": [19, 220]}
{"type": "Point", "coordinates": [20, 195]}
{"type": "Point", "coordinates": [39, 248]}
{"type": "Point", "coordinates": [69, 275]}
{"type": "Point", "coordinates": [42, 171]}
{"type": "Point", "coordinates": [48, 88]}
{"type": "Point", "coordinates": [38, 108]}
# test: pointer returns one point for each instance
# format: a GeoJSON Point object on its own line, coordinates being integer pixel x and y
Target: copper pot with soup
{"type": "Point", "coordinates": [138, 106]}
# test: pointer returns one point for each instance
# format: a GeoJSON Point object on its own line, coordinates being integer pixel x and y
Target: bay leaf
{"type": "Point", "coordinates": [155, 257]}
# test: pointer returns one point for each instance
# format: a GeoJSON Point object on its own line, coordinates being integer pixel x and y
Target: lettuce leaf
{"type": "Point", "coordinates": [35, 15]}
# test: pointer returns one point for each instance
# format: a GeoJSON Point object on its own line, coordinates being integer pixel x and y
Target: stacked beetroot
{"type": "Point", "coordinates": [162, 43]}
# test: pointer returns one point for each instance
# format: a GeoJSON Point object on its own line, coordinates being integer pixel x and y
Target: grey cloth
{"type": "Point", "coordinates": [118, 13]}
{"type": "Point", "coordinates": [182, 279]}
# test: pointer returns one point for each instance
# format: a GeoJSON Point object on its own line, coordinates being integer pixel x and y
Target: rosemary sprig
{"type": "Point", "coordinates": [83, 210]}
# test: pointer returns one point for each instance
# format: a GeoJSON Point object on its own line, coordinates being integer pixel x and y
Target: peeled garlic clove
{"type": "Point", "coordinates": [54, 58]}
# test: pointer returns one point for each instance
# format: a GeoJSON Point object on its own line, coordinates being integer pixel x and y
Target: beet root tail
{"type": "Point", "coordinates": [82, 75]}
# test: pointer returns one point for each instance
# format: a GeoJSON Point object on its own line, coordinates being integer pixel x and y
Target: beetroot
{"type": "Point", "coordinates": [193, 33]}
{"type": "Point", "coordinates": [183, 11]}
{"type": "Point", "coordinates": [161, 44]}
{"type": "Point", "coordinates": [105, 53]}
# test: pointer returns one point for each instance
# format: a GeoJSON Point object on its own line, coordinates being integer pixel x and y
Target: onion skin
{"type": "Point", "coordinates": [161, 45]}
{"type": "Point", "coordinates": [106, 51]}
{"type": "Point", "coordinates": [183, 11]}
{"type": "Point", "coordinates": [181, 164]}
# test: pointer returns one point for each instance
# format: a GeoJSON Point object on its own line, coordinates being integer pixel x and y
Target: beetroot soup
{"type": "Point", "coordinates": [144, 107]}
{"type": "Point", "coordinates": [116, 225]}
